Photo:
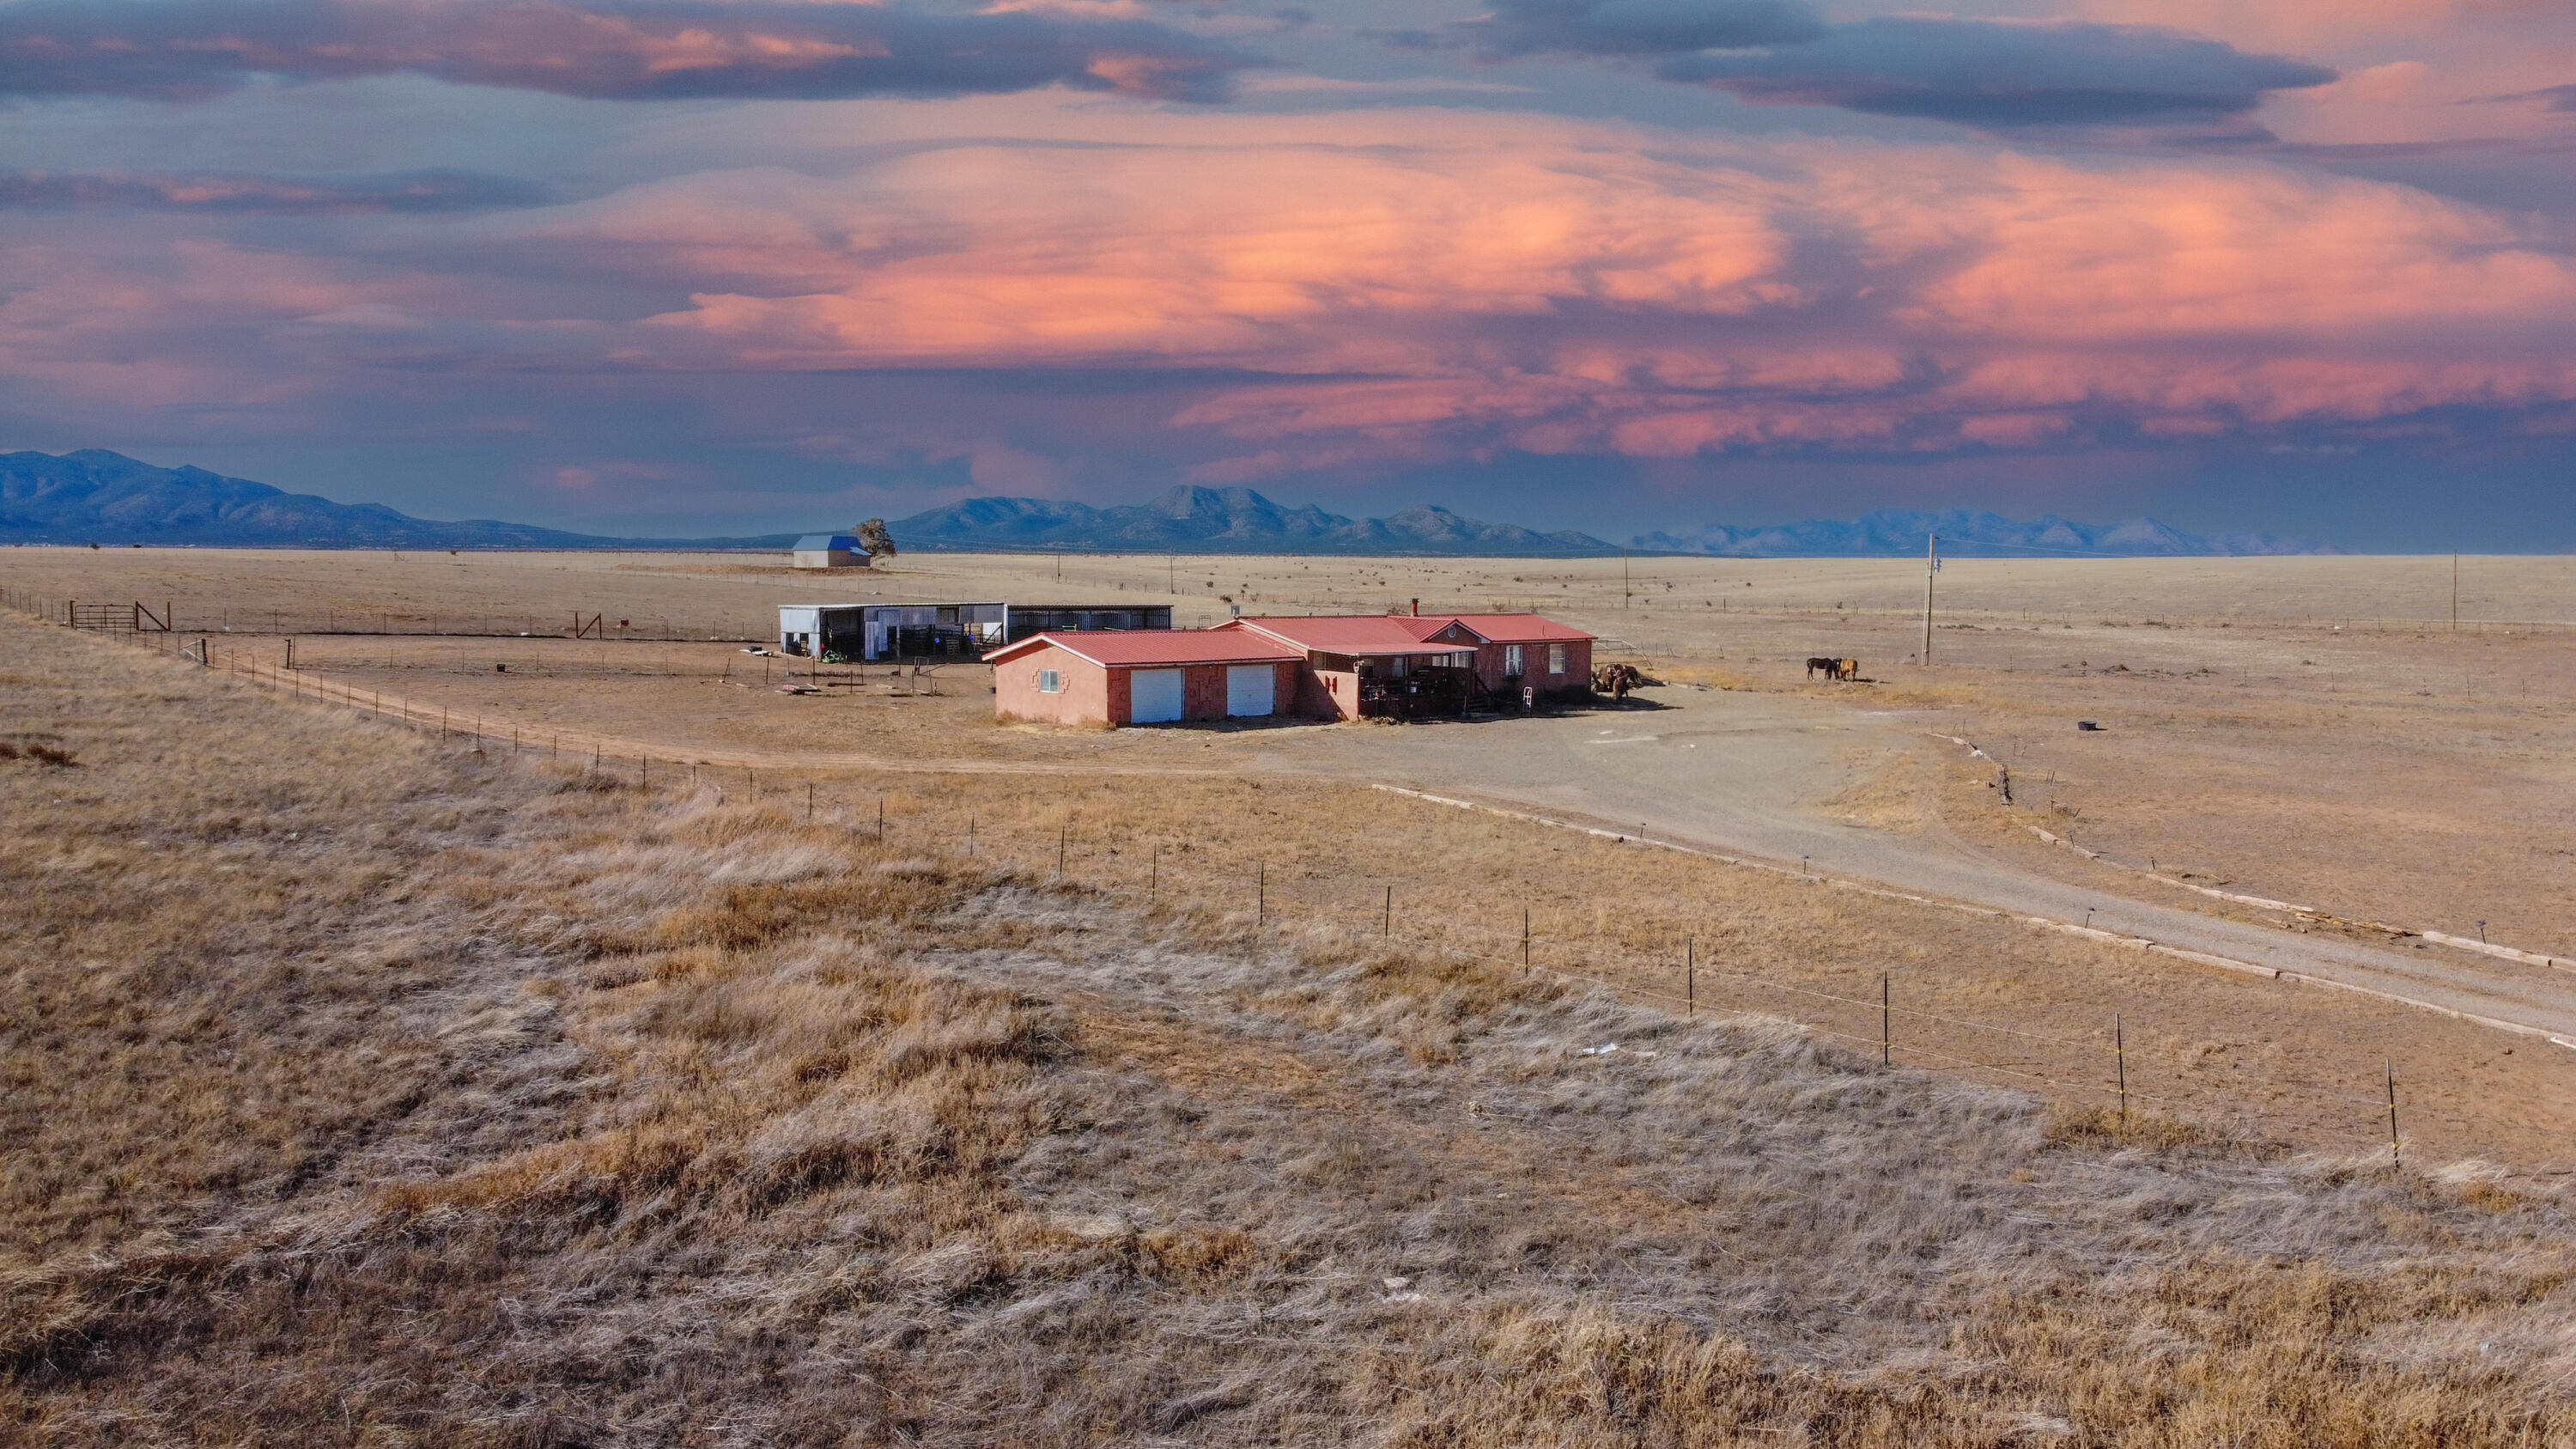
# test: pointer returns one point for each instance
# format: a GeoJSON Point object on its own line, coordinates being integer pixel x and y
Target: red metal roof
{"type": "Point", "coordinates": [1403, 633]}
{"type": "Point", "coordinates": [1122, 648]}
{"type": "Point", "coordinates": [1378, 634]}
{"type": "Point", "coordinates": [1501, 628]}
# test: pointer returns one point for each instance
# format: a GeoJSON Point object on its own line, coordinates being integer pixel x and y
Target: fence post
{"type": "Point", "coordinates": [1154, 875]}
{"type": "Point", "coordinates": [2393, 1159]}
{"type": "Point", "coordinates": [809, 802]}
{"type": "Point", "coordinates": [1386, 925]}
{"type": "Point", "coordinates": [1062, 828]}
{"type": "Point", "coordinates": [1690, 975]}
{"type": "Point", "coordinates": [880, 820]}
{"type": "Point", "coordinates": [2120, 1051]}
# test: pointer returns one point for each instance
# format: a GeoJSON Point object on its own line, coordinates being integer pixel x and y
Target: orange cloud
{"type": "Point", "coordinates": [1327, 291]}
{"type": "Point", "coordinates": [1575, 287]}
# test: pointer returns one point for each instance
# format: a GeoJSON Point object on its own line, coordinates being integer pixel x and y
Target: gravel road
{"type": "Point", "coordinates": [1747, 773]}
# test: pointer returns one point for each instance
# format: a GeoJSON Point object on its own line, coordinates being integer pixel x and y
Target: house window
{"type": "Point", "coordinates": [1511, 659]}
{"type": "Point", "coordinates": [1050, 681]}
{"type": "Point", "coordinates": [1556, 659]}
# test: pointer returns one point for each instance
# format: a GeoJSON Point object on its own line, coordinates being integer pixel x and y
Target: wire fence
{"type": "Point", "coordinates": [122, 614]}
{"type": "Point", "coordinates": [2104, 1068]}
{"type": "Point", "coordinates": [304, 617]}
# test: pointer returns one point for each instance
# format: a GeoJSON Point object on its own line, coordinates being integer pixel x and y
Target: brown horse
{"type": "Point", "coordinates": [1846, 669]}
{"type": "Point", "coordinates": [1818, 661]}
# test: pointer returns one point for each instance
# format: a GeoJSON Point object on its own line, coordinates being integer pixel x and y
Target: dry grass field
{"type": "Point", "coordinates": [370, 1087]}
{"type": "Point", "coordinates": [2305, 729]}
{"type": "Point", "coordinates": [2302, 729]}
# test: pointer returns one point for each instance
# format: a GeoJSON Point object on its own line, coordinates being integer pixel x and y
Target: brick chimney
{"type": "Point", "coordinates": [1417, 608]}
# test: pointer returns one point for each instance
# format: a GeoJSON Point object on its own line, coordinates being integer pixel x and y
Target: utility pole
{"type": "Point", "coordinates": [1931, 566]}
{"type": "Point", "coordinates": [2455, 593]}
{"type": "Point", "coordinates": [1625, 593]}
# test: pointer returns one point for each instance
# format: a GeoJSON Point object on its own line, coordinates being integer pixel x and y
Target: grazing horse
{"type": "Point", "coordinates": [1816, 662]}
{"type": "Point", "coordinates": [1846, 669]}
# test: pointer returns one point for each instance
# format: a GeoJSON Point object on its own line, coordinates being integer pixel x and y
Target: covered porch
{"type": "Point", "coordinates": [1427, 683]}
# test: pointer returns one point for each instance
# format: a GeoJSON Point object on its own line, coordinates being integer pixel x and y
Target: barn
{"type": "Point", "coordinates": [872, 632]}
{"type": "Point", "coordinates": [1160, 676]}
{"type": "Point", "coordinates": [829, 551]}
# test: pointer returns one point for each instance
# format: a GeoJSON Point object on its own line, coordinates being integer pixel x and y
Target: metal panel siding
{"type": "Point", "coordinates": [1154, 696]}
{"type": "Point", "coordinates": [1251, 689]}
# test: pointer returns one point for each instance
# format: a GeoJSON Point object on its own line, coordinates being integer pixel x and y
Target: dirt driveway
{"type": "Point", "coordinates": [1769, 775]}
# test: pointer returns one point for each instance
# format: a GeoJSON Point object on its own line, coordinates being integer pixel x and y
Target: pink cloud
{"type": "Point", "coordinates": [1304, 292]}
{"type": "Point", "coordinates": [1585, 287]}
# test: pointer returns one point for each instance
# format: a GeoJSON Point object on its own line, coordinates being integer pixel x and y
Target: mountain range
{"type": "Point", "coordinates": [96, 496]}
{"type": "Point", "coordinates": [1226, 520]}
{"type": "Point", "coordinates": [1963, 534]}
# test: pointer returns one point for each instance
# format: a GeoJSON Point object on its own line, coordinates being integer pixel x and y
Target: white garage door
{"type": "Point", "coordinates": [1251, 688]}
{"type": "Point", "coordinates": [1154, 696]}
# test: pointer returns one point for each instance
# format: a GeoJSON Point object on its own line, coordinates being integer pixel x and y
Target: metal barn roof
{"type": "Point", "coordinates": [816, 542]}
{"type": "Point", "coordinates": [1132, 648]}
{"type": "Point", "coordinates": [1377, 634]}
{"type": "Point", "coordinates": [1500, 628]}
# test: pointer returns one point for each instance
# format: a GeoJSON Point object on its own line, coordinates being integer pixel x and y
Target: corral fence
{"type": "Point", "coordinates": [1860, 1005]}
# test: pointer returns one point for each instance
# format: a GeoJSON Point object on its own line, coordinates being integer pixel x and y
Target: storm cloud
{"type": "Point", "coordinates": [1637, 27]}
{"type": "Point", "coordinates": [1997, 73]}
{"type": "Point", "coordinates": [413, 192]}
{"type": "Point", "coordinates": [648, 50]}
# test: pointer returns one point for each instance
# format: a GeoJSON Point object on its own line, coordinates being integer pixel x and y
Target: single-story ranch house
{"type": "Point", "coordinates": [1318, 667]}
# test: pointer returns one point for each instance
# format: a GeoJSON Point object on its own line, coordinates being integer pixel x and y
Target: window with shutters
{"type": "Point", "coordinates": [1050, 681]}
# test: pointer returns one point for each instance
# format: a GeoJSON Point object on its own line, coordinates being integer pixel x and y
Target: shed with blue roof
{"type": "Point", "coordinates": [830, 551]}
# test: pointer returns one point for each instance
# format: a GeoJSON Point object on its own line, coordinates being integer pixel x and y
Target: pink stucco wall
{"type": "Point", "coordinates": [1085, 699]}
{"type": "Point", "coordinates": [1098, 697]}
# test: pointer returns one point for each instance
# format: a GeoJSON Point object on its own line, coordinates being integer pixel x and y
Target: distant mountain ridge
{"type": "Point", "coordinates": [96, 496]}
{"type": "Point", "coordinates": [1185, 519]}
{"type": "Point", "coordinates": [1894, 532]}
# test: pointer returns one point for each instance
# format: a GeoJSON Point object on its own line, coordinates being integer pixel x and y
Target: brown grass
{"type": "Point", "coordinates": [425, 1099]}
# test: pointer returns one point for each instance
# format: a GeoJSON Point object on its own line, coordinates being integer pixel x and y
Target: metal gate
{"type": "Point", "coordinates": [136, 617]}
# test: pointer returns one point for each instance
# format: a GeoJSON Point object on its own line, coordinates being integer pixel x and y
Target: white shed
{"type": "Point", "coordinates": [830, 551]}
